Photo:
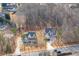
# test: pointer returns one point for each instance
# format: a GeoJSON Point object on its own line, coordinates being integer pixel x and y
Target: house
{"type": "Point", "coordinates": [10, 10]}
{"type": "Point", "coordinates": [2, 22]}
{"type": "Point", "coordinates": [9, 7]}
{"type": "Point", "coordinates": [50, 33]}
{"type": "Point", "coordinates": [30, 38]}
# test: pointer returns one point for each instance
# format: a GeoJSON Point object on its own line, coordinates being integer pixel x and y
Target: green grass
{"type": "Point", "coordinates": [59, 33]}
{"type": "Point", "coordinates": [13, 30]}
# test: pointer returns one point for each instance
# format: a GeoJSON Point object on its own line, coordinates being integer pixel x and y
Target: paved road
{"type": "Point", "coordinates": [73, 48]}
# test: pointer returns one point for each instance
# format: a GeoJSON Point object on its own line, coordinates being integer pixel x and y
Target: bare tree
{"type": "Point", "coordinates": [60, 15]}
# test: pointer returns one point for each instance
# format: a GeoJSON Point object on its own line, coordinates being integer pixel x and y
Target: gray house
{"type": "Point", "coordinates": [30, 38]}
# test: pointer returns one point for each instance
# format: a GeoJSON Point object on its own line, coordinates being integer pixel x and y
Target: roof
{"type": "Point", "coordinates": [31, 33]}
{"type": "Point", "coordinates": [9, 7]}
{"type": "Point", "coordinates": [48, 29]}
{"type": "Point", "coordinates": [2, 14]}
